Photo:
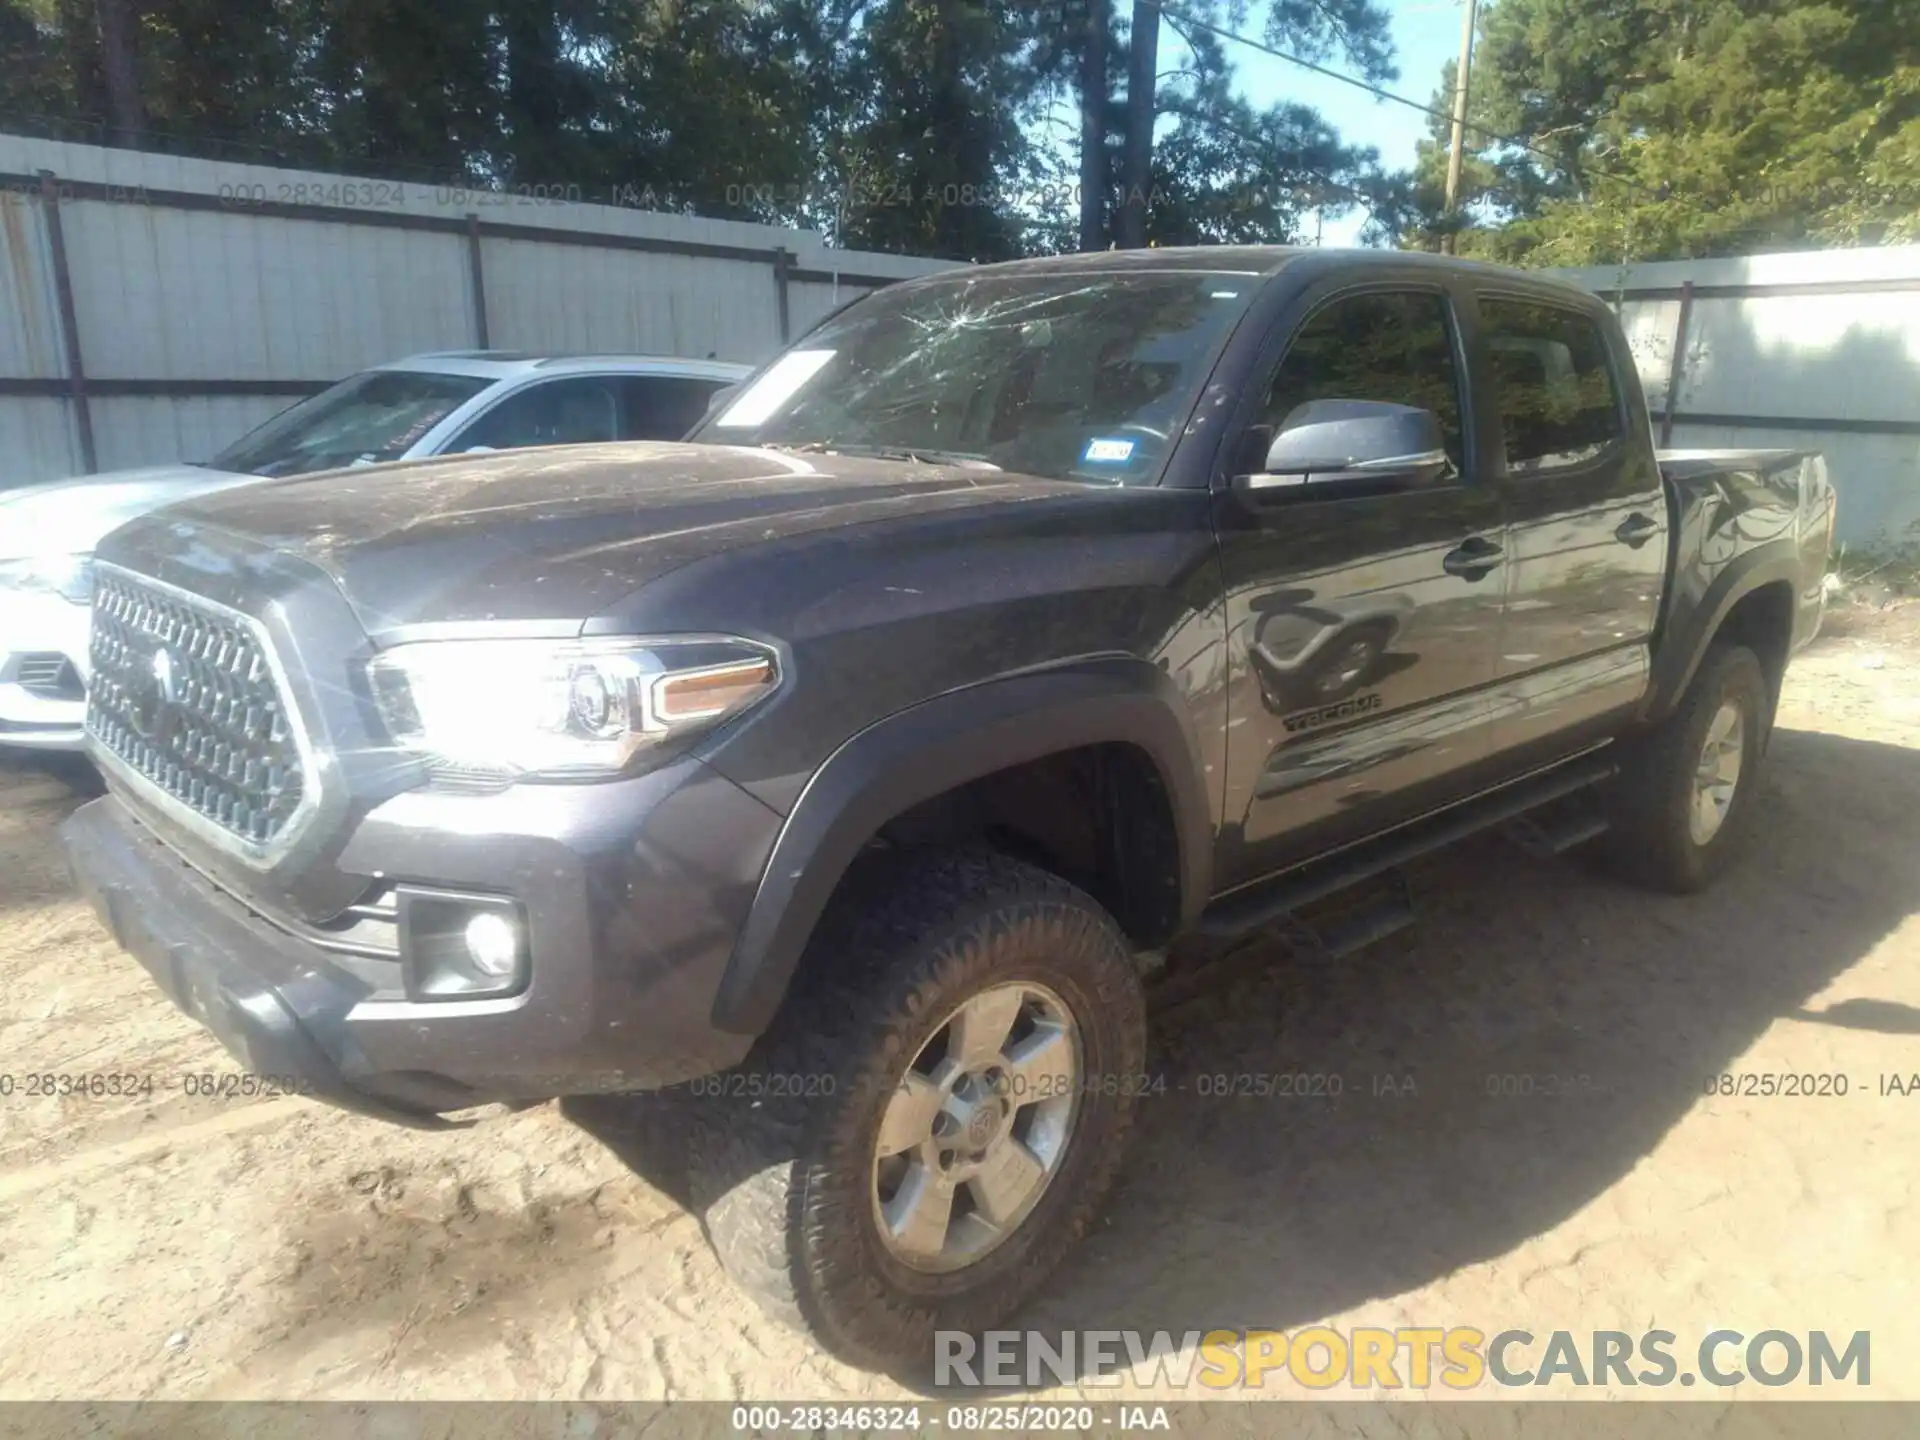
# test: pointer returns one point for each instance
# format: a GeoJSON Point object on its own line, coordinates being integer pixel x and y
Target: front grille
{"type": "Point", "coordinates": [50, 676]}
{"type": "Point", "coordinates": [182, 693]}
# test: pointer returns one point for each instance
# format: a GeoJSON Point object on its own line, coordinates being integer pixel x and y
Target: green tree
{"type": "Point", "coordinates": [947, 127]}
{"type": "Point", "coordinates": [1228, 173]}
{"type": "Point", "coordinates": [36, 66]}
{"type": "Point", "coordinates": [1228, 169]}
{"type": "Point", "coordinates": [1658, 129]}
{"type": "Point", "coordinates": [928, 158]}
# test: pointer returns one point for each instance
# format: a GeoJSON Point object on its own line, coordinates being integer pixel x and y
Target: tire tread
{"type": "Point", "coordinates": [906, 929]}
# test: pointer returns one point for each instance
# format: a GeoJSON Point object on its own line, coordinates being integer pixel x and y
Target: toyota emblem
{"type": "Point", "coordinates": [163, 676]}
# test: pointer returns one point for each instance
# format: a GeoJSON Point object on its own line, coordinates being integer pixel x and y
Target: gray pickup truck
{"type": "Point", "coordinates": [850, 762]}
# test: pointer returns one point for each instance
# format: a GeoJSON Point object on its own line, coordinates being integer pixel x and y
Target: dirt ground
{"type": "Point", "coordinates": [175, 1246]}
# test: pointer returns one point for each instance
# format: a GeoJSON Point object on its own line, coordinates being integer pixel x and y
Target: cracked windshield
{"type": "Point", "coordinates": [1071, 377]}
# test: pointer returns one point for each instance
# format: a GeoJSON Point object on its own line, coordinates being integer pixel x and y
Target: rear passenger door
{"type": "Point", "coordinates": [1587, 536]}
{"type": "Point", "coordinates": [1362, 630]}
{"type": "Point", "coordinates": [663, 407]}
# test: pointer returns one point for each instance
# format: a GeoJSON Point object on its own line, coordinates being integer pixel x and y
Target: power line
{"type": "Point", "coordinates": [1376, 91]}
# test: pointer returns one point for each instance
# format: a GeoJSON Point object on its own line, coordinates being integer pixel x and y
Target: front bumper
{"type": "Point", "coordinates": [633, 893]}
{"type": "Point", "coordinates": [35, 623]}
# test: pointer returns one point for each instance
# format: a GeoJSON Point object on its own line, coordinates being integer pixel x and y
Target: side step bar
{"type": "Point", "coordinates": [1548, 834]}
{"type": "Point", "coordinates": [1271, 901]}
{"type": "Point", "coordinates": [1333, 937]}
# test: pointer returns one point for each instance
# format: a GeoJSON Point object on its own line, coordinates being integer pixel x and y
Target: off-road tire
{"type": "Point", "coordinates": [1647, 838]}
{"type": "Point", "coordinates": [781, 1167]}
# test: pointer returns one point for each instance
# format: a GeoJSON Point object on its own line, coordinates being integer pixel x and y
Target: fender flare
{"type": "Point", "coordinates": [1691, 631]}
{"type": "Point", "coordinates": [930, 748]}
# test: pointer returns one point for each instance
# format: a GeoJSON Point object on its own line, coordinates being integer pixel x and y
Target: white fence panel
{"type": "Point", "coordinates": [36, 436]}
{"type": "Point", "coordinates": [566, 298]}
{"type": "Point", "coordinates": [129, 430]}
{"type": "Point", "coordinates": [30, 340]}
{"type": "Point", "coordinates": [186, 295]}
{"type": "Point", "coordinates": [1815, 350]}
{"type": "Point", "coordinates": [812, 301]}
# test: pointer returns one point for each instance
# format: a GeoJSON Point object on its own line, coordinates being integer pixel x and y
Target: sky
{"type": "Point", "coordinates": [1426, 35]}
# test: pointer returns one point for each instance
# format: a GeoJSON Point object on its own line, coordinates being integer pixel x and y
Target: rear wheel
{"type": "Point", "coordinates": [1680, 807]}
{"type": "Point", "coordinates": [938, 1112]}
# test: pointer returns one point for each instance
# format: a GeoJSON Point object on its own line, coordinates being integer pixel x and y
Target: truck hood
{"type": "Point", "coordinates": [68, 517]}
{"type": "Point", "coordinates": [553, 537]}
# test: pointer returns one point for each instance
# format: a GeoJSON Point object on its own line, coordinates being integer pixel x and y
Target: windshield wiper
{"type": "Point", "coordinates": [920, 456]}
{"type": "Point", "coordinates": [916, 454]}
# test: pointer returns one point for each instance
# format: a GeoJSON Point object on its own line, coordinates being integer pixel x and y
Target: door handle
{"type": "Point", "coordinates": [1636, 530]}
{"type": "Point", "coordinates": [1473, 560]}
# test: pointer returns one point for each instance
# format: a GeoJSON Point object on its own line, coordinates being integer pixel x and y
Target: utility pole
{"type": "Point", "coordinates": [1456, 154]}
{"type": "Point", "coordinates": [1142, 73]}
{"type": "Point", "coordinates": [119, 22]}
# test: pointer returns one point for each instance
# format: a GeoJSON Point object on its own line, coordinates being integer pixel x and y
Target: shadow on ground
{"type": "Point", "coordinates": [37, 792]}
{"type": "Point", "coordinates": [1498, 1066]}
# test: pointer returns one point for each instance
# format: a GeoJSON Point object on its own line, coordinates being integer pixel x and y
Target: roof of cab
{"type": "Point", "coordinates": [1263, 261]}
{"type": "Point", "coordinates": [1218, 259]}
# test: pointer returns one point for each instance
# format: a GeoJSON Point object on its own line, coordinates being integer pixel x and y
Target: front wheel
{"type": "Point", "coordinates": [1680, 806]}
{"type": "Point", "coordinates": [938, 1112]}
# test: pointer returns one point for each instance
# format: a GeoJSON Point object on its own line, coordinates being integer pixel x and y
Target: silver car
{"type": "Point", "coordinates": [437, 404]}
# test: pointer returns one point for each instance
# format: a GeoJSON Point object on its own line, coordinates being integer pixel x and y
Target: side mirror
{"type": "Point", "coordinates": [1329, 447]}
{"type": "Point", "coordinates": [721, 397]}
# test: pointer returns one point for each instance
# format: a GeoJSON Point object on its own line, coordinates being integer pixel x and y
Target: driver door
{"type": "Point", "coordinates": [1363, 631]}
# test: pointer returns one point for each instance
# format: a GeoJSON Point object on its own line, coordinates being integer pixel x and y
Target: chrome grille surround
{"type": "Point", "coordinates": [189, 705]}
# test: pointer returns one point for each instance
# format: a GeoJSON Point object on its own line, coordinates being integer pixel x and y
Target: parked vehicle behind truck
{"type": "Point", "coordinates": [1012, 625]}
{"type": "Point", "coordinates": [468, 400]}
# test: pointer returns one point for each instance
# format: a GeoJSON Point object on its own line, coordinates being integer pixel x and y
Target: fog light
{"type": "Point", "coordinates": [493, 944]}
{"type": "Point", "coordinates": [456, 946]}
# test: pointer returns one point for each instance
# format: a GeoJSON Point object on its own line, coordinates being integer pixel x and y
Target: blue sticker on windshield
{"type": "Point", "coordinates": [1108, 452]}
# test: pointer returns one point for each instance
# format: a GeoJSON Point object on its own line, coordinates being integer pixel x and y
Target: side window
{"type": "Point", "coordinates": [1394, 346]}
{"type": "Point", "coordinates": [663, 407]}
{"type": "Point", "coordinates": [558, 412]}
{"type": "Point", "coordinates": [1559, 404]}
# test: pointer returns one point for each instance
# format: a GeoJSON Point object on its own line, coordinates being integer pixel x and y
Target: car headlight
{"type": "Point", "coordinates": [69, 576]}
{"type": "Point", "coordinates": [496, 711]}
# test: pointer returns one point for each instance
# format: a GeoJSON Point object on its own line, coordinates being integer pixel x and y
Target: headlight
{"type": "Point", "coordinates": [70, 576]}
{"type": "Point", "coordinates": [502, 710]}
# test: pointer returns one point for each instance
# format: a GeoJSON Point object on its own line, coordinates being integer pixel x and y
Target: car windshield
{"type": "Point", "coordinates": [1072, 376]}
{"type": "Point", "coordinates": [363, 420]}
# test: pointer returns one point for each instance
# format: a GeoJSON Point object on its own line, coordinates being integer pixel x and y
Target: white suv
{"type": "Point", "coordinates": [428, 405]}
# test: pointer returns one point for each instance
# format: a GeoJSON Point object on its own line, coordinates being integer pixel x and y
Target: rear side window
{"type": "Point", "coordinates": [1559, 404]}
{"type": "Point", "coordinates": [1394, 346]}
{"type": "Point", "coordinates": [554, 412]}
{"type": "Point", "coordinates": [663, 407]}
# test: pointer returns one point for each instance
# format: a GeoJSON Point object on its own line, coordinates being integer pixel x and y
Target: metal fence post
{"type": "Point", "coordinates": [69, 323]}
{"type": "Point", "coordinates": [782, 264]}
{"type": "Point", "coordinates": [477, 279]}
{"type": "Point", "coordinates": [1677, 366]}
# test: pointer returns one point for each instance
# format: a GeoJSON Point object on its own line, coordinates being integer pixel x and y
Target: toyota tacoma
{"type": "Point", "coordinates": [851, 761]}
